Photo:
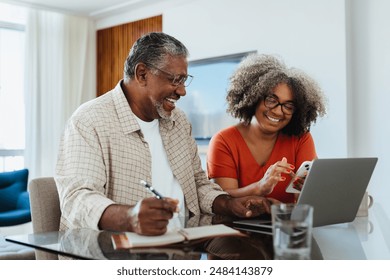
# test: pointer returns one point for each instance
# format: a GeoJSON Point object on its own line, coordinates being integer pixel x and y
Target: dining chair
{"type": "Point", "coordinates": [45, 210]}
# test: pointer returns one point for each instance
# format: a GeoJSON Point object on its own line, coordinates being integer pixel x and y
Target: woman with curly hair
{"type": "Point", "coordinates": [276, 106]}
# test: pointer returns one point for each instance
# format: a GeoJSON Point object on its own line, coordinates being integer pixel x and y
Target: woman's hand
{"type": "Point", "coordinates": [273, 175]}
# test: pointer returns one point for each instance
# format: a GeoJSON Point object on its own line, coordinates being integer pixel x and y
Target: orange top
{"type": "Point", "coordinates": [229, 156]}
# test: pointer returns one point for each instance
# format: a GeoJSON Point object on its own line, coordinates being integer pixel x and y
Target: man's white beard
{"type": "Point", "coordinates": [161, 112]}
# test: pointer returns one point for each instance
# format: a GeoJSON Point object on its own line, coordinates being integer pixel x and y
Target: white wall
{"type": "Point", "coordinates": [369, 89]}
{"type": "Point", "coordinates": [344, 45]}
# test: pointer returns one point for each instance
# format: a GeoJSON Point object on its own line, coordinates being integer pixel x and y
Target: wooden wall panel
{"type": "Point", "coordinates": [113, 46]}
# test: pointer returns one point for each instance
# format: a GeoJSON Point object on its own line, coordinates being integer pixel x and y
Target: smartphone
{"type": "Point", "coordinates": [301, 173]}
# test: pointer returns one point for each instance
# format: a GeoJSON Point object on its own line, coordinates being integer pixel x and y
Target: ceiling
{"type": "Point", "coordinates": [81, 7]}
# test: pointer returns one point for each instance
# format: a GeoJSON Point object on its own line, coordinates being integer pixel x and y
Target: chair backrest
{"type": "Point", "coordinates": [45, 209]}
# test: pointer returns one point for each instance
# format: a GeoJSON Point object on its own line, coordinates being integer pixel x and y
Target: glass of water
{"type": "Point", "coordinates": [292, 231]}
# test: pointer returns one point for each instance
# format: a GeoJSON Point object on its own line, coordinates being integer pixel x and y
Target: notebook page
{"type": "Point", "coordinates": [208, 231]}
{"type": "Point", "coordinates": [134, 240]}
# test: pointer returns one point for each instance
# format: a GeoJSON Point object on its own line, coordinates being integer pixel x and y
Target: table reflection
{"type": "Point", "coordinates": [92, 244]}
{"type": "Point", "coordinates": [365, 238]}
{"type": "Point", "coordinates": [253, 247]}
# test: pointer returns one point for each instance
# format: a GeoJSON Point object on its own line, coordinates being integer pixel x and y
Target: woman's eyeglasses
{"type": "Point", "coordinates": [271, 102]}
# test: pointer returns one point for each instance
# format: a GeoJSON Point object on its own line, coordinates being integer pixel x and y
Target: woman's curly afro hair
{"type": "Point", "coordinates": [256, 77]}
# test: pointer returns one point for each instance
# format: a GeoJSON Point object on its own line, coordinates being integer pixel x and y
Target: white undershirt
{"type": "Point", "coordinates": [162, 177]}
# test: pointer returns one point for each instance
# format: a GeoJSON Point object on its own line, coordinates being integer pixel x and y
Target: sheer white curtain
{"type": "Point", "coordinates": [60, 75]}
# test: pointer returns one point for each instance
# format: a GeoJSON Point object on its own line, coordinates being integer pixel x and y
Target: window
{"type": "Point", "coordinates": [12, 112]}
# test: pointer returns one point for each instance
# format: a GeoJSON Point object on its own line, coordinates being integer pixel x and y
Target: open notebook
{"type": "Point", "coordinates": [133, 240]}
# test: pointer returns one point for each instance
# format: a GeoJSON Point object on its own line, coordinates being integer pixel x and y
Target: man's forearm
{"type": "Point", "coordinates": [116, 218]}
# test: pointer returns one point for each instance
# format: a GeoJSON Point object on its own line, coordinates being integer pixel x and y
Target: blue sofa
{"type": "Point", "coordinates": [14, 198]}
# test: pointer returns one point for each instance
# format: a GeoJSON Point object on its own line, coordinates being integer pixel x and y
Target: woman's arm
{"type": "Point", "coordinates": [230, 185]}
{"type": "Point", "coordinates": [263, 187]}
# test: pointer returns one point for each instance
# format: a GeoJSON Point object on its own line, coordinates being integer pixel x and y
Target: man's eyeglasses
{"type": "Point", "coordinates": [176, 80]}
{"type": "Point", "coordinates": [271, 102]}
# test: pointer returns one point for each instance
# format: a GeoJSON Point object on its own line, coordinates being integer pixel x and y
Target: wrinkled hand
{"type": "Point", "coordinates": [249, 206]}
{"type": "Point", "coordinates": [153, 215]}
{"type": "Point", "coordinates": [273, 175]}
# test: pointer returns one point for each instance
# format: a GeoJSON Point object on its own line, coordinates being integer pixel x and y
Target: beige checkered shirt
{"type": "Point", "coordinates": [103, 157]}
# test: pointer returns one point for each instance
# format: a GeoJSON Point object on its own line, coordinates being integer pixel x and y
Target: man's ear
{"type": "Point", "coordinates": [140, 73]}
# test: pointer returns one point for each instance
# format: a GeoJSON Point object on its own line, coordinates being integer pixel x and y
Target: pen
{"type": "Point", "coordinates": [151, 189]}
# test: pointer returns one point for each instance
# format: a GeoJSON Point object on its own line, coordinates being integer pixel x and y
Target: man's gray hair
{"type": "Point", "coordinates": [153, 49]}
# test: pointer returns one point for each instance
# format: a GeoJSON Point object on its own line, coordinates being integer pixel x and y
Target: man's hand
{"type": "Point", "coordinates": [153, 215]}
{"type": "Point", "coordinates": [149, 217]}
{"type": "Point", "coordinates": [247, 206]}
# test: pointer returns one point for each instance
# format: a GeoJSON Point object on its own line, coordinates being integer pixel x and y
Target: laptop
{"type": "Point", "coordinates": [334, 187]}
